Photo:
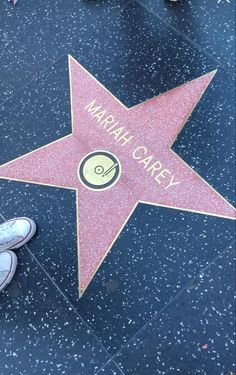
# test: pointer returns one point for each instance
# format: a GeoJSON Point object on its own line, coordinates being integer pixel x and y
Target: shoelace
{"type": "Point", "coordinates": [7, 234]}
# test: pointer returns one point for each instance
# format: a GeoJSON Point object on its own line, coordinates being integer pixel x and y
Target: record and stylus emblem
{"type": "Point", "coordinates": [99, 170]}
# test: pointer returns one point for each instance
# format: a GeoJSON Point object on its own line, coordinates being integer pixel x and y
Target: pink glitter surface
{"type": "Point", "coordinates": [153, 127]}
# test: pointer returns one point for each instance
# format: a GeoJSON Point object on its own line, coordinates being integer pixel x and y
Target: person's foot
{"type": "Point", "coordinates": [16, 232]}
{"type": "Point", "coordinates": [8, 263]}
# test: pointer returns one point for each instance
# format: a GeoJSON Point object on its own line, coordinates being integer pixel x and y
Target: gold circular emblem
{"type": "Point", "coordinates": [99, 170]}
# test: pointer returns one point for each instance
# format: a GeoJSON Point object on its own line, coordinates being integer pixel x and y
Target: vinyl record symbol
{"type": "Point", "coordinates": [99, 170]}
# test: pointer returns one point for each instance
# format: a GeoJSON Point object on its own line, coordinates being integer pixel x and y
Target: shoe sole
{"type": "Point", "coordinates": [29, 235]}
{"type": "Point", "coordinates": [11, 272]}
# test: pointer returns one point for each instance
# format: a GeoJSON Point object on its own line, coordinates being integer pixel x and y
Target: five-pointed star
{"type": "Point", "coordinates": [141, 138]}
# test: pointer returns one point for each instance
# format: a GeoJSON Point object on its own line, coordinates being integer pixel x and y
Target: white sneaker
{"type": "Point", "coordinates": [16, 232]}
{"type": "Point", "coordinates": [8, 263]}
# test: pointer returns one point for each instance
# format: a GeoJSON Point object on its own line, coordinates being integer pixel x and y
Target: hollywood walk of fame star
{"type": "Point", "coordinates": [116, 157]}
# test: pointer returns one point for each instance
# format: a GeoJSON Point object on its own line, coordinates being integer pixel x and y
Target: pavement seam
{"type": "Point", "coordinates": [155, 316]}
{"type": "Point", "coordinates": [85, 323]}
{"type": "Point", "coordinates": [184, 36]}
{"type": "Point", "coordinates": [124, 6]}
{"type": "Point", "coordinates": [108, 362]}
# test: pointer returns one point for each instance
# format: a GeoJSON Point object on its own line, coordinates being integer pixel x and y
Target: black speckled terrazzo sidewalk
{"type": "Point", "coordinates": [162, 301]}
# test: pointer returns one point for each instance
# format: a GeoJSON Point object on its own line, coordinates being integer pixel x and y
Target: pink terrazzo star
{"type": "Point", "coordinates": [140, 138]}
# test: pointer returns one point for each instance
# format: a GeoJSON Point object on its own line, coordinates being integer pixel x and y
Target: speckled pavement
{"type": "Point", "coordinates": [162, 300]}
